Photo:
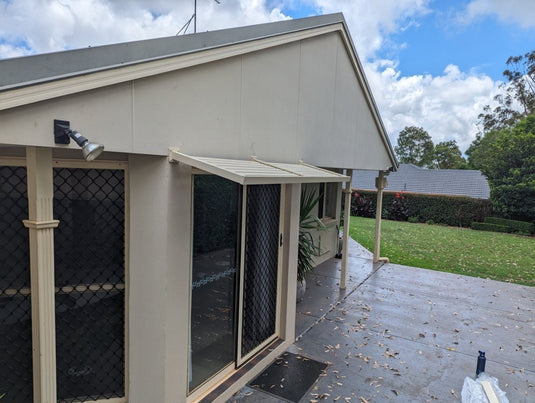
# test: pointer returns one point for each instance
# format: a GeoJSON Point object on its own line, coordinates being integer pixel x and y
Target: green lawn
{"type": "Point", "coordinates": [502, 257]}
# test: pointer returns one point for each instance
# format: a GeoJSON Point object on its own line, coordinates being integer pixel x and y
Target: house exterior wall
{"type": "Point", "coordinates": [160, 284]}
{"type": "Point", "coordinates": [158, 261]}
{"type": "Point", "coordinates": [159, 279]}
{"type": "Point", "coordinates": [298, 101]}
{"type": "Point", "coordinates": [226, 109]}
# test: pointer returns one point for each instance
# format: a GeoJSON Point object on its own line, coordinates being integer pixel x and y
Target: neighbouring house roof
{"type": "Point", "coordinates": [413, 179]}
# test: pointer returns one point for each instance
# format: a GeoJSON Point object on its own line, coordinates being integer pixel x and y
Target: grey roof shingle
{"type": "Point", "coordinates": [29, 70]}
{"type": "Point", "coordinates": [413, 179]}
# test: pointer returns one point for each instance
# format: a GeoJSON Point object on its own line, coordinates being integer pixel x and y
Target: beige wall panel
{"type": "Point", "coordinates": [160, 239]}
{"type": "Point", "coordinates": [103, 115]}
{"type": "Point", "coordinates": [270, 88]}
{"type": "Point", "coordinates": [349, 108]}
{"type": "Point", "coordinates": [352, 139]}
{"type": "Point", "coordinates": [366, 147]}
{"type": "Point", "coordinates": [148, 259]}
{"type": "Point", "coordinates": [197, 110]}
{"type": "Point", "coordinates": [317, 94]}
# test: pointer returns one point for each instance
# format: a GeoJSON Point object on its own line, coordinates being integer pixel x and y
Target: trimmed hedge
{"type": "Point", "coordinates": [442, 209]}
{"type": "Point", "coordinates": [516, 226]}
{"type": "Point", "coordinates": [485, 226]}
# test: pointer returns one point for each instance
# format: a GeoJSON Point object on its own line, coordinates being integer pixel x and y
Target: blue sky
{"type": "Point", "coordinates": [428, 43]}
{"type": "Point", "coordinates": [437, 40]}
{"type": "Point", "coordinates": [430, 63]}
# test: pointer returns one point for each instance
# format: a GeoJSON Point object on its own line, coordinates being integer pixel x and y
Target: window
{"type": "Point", "coordinates": [328, 193]}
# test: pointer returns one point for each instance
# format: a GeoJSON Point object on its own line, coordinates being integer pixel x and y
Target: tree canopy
{"type": "Point", "coordinates": [519, 98]}
{"type": "Point", "coordinates": [505, 150]}
{"type": "Point", "coordinates": [507, 158]}
{"type": "Point", "coordinates": [448, 156]}
{"type": "Point", "coordinates": [415, 146]}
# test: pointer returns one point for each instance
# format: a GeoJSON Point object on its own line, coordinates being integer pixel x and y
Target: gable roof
{"type": "Point", "coordinates": [413, 179]}
{"type": "Point", "coordinates": [30, 70]}
{"type": "Point", "coordinates": [30, 79]}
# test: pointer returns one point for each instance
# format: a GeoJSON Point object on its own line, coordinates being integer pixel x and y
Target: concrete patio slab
{"type": "Point", "coordinates": [404, 334]}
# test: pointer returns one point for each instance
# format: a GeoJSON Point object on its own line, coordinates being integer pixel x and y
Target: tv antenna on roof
{"type": "Point", "coordinates": [193, 18]}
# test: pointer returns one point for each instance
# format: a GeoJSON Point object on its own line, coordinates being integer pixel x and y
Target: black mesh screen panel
{"type": "Point", "coordinates": [15, 305]}
{"type": "Point", "coordinates": [261, 265]}
{"type": "Point", "coordinates": [90, 283]}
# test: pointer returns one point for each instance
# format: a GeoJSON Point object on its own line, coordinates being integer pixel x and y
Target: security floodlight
{"type": "Point", "coordinates": [63, 135]}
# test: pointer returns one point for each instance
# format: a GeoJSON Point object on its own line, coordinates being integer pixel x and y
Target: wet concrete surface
{"type": "Point", "coordinates": [405, 334]}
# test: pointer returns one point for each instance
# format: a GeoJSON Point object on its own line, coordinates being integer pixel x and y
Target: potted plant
{"type": "Point", "coordinates": [307, 248]}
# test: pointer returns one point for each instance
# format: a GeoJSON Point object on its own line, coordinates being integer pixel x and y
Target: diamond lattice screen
{"type": "Point", "coordinates": [261, 265]}
{"type": "Point", "coordinates": [90, 283]}
{"type": "Point", "coordinates": [15, 305]}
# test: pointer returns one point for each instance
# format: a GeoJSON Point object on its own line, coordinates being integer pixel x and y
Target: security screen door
{"type": "Point", "coordinates": [258, 309]}
{"type": "Point", "coordinates": [235, 263]}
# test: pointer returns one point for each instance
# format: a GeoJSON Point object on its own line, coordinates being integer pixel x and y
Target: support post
{"type": "Point", "coordinates": [347, 215]}
{"type": "Point", "coordinates": [380, 184]}
{"type": "Point", "coordinates": [41, 228]}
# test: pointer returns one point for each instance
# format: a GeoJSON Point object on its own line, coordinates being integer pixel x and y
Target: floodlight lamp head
{"type": "Point", "coordinates": [63, 135]}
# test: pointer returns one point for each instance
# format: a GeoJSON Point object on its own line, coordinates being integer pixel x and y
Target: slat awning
{"type": "Point", "coordinates": [257, 172]}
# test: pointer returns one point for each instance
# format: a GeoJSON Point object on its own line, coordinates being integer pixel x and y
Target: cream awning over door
{"type": "Point", "coordinates": [257, 172]}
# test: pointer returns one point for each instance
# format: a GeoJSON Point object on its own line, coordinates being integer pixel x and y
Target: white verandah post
{"type": "Point", "coordinates": [347, 215]}
{"type": "Point", "coordinates": [41, 224]}
{"type": "Point", "coordinates": [380, 184]}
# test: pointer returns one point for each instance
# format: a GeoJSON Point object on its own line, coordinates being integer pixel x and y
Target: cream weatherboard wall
{"type": "Point", "coordinates": [225, 108]}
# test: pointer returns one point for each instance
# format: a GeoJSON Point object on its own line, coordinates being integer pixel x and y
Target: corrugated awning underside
{"type": "Point", "coordinates": [258, 172]}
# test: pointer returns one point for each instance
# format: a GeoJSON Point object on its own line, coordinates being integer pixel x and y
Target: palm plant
{"type": "Point", "coordinates": [307, 249]}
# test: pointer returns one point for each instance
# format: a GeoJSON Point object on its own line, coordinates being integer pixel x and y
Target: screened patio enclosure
{"type": "Point", "coordinates": [88, 285]}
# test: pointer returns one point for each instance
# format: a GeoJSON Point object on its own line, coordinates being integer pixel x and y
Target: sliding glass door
{"type": "Point", "coordinates": [215, 262]}
{"type": "Point", "coordinates": [234, 274]}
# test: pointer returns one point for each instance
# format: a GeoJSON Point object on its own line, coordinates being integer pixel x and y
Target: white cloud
{"type": "Point", "coordinates": [521, 12]}
{"type": "Point", "coordinates": [11, 50]}
{"type": "Point", "coordinates": [446, 106]}
{"type": "Point", "coordinates": [371, 22]}
{"type": "Point", "coordinates": [56, 25]}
